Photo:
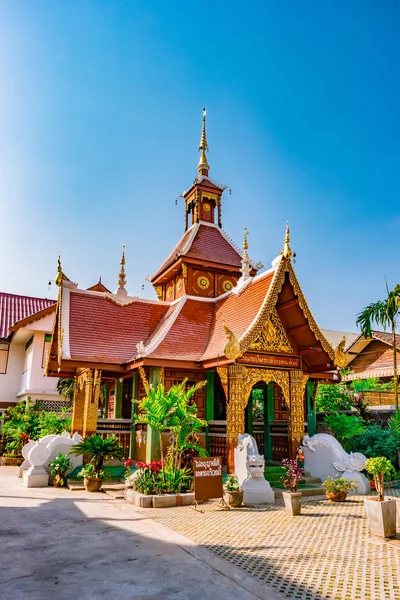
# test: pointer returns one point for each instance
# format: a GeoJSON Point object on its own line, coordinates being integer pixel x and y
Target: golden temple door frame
{"type": "Point", "coordinates": [239, 380]}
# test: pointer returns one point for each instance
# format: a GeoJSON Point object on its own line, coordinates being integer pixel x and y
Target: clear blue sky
{"type": "Point", "coordinates": [100, 115]}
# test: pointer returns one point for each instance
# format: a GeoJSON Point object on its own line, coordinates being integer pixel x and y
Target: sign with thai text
{"type": "Point", "coordinates": [207, 478]}
{"type": "Point", "coordinates": [270, 360]}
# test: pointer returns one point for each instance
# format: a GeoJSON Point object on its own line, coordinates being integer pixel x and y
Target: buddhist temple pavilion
{"type": "Point", "coordinates": [215, 319]}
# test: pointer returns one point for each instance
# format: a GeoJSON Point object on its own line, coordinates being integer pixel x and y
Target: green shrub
{"type": "Point", "coordinates": [379, 467]}
{"type": "Point", "coordinates": [345, 427]}
{"type": "Point", "coordinates": [25, 421]}
{"type": "Point", "coordinates": [333, 397]}
{"type": "Point", "coordinates": [376, 441]}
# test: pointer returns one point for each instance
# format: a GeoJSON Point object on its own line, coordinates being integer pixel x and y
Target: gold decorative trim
{"type": "Point", "coordinates": [307, 313]}
{"type": "Point", "coordinates": [203, 282]}
{"type": "Point", "coordinates": [227, 285]}
{"type": "Point", "coordinates": [159, 291]}
{"type": "Point", "coordinates": [232, 347]}
{"type": "Point", "coordinates": [184, 271]}
{"type": "Point", "coordinates": [273, 337]}
{"type": "Point", "coordinates": [285, 266]}
{"type": "Point", "coordinates": [296, 424]}
{"type": "Point", "coordinates": [145, 382]}
{"type": "Point", "coordinates": [223, 375]}
{"type": "Point", "coordinates": [253, 375]}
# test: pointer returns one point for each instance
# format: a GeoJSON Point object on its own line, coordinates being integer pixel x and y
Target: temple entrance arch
{"type": "Point", "coordinates": [267, 420]}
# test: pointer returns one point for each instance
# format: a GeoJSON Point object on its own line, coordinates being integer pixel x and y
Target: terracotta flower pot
{"type": "Point", "coordinates": [92, 484]}
{"type": "Point", "coordinates": [234, 499]}
{"type": "Point", "coordinates": [336, 497]}
{"type": "Point", "coordinates": [59, 483]}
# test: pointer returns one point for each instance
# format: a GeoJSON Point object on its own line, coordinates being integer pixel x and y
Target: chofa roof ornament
{"type": "Point", "coordinates": [121, 291]}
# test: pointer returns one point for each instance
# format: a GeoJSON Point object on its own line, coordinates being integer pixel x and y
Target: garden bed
{"type": "Point", "coordinates": [159, 501]}
{"type": "Point", "coordinates": [11, 461]}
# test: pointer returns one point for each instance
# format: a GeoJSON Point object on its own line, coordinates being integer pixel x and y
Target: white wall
{"type": "Point", "coordinates": [10, 382]}
{"type": "Point", "coordinates": [16, 385]}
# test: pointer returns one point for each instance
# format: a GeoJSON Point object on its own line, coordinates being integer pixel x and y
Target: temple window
{"type": "Point", "coordinates": [4, 348]}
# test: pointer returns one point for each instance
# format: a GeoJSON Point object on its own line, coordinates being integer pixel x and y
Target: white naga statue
{"type": "Point", "coordinates": [325, 457]}
{"type": "Point", "coordinates": [249, 469]}
{"type": "Point", "coordinates": [38, 455]}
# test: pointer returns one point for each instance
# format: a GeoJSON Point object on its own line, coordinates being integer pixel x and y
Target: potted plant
{"type": "Point", "coordinates": [381, 513]}
{"type": "Point", "coordinates": [336, 488]}
{"type": "Point", "coordinates": [97, 450]}
{"type": "Point", "coordinates": [290, 480]}
{"type": "Point", "coordinates": [233, 496]}
{"type": "Point", "coordinates": [59, 467]}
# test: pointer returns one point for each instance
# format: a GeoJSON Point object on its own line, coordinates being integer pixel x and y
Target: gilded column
{"type": "Point", "coordinates": [234, 410]}
{"type": "Point", "coordinates": [92, 393]}
{"type": "Point", "coordinates": [296, 420]}
{"type": "Point", "coordinates": [79, 403]}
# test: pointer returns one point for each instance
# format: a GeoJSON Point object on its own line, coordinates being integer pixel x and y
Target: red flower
{"type": "Point", "coordinates": [128, 462]}
{"type": "Point", "coordinates": [141, 465]}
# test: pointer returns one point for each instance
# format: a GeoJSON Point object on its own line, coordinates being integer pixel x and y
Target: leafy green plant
{"type": "Point", "coordinates": [26, 421]}
{"type": "Point", "coordinates": [174, 410]}
{"type": "Point", "coordinates": [337, 485]}
{"type": "Point", "coordinates": [333, 397]}
{"type": "Point", "coordinates": [394, 426]}
{"type": "Point", "coordinates": [232, 484]}
{"type": "Point", "coordinates": [385, 314]}
{"type": "Point", "coordinates": [379, 467]}
{"type": "Point", "coordinates": [345, 427]}
{"type": "Point", "coordinates": [98, 450]}
{"type": "Point", "coordinates": [90, 472]}
{"type": "Point", "coordinates": [375, 441]}
{"type": "Point", "coordinates": [65, 387]}
{"type": "Point", "coordinates": [151, 479]}
{"type": "Point", "coordinates": [59, 467]}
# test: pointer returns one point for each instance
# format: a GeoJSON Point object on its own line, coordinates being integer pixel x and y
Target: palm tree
{"type": "Point", "coordinates": [172, 410]}
{"type": "Point", "coordinates": [384, 313]}
{"type": "Point", "coordinates": [65, 387]}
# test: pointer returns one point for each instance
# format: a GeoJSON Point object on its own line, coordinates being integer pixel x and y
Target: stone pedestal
{"type": "Point", "coordinates": [35, 477]}
{"type": "Point", "coordinates": [381, 516]}
{"type": "Point", "coordinates": [257, 490]}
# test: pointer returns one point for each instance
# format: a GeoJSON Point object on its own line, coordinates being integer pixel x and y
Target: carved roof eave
{"type": "Point", "coordinates": [270, 301]}
{"type": "Point", "coordinates": [198, 181]}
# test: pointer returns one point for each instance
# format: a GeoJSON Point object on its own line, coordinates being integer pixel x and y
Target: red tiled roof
{"type": "Point", "coordinates": [188, 336]}
{"type": "Point", "coordinates": [13, 308]}
{"type": "Point", "coordinates": [198, 331]}
{"type": "Point", "coordinates": [238, 311]}
{"type": "Point", "coordinates": [209, 244]}
{"type": "Point", "coordinates": [102, 331]}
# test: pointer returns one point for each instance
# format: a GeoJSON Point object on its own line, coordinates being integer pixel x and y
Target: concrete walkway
{"type": "Point", "coordinates": [62, 545]}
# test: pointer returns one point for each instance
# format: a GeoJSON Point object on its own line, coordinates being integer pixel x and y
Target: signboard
{"type": "Point", "coordinates": [270, 360]}
{"type": "Point", "coordinates": [207, 478]}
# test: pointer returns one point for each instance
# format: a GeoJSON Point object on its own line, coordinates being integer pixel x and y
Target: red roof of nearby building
{"type": "Point", "coordinates": [101, 330]}
{"type": "Point", "coordinates": [13, 308]}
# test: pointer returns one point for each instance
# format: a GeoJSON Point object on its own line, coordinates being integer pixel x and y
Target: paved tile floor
{"type": "Point", "coordinates": [326, 553]}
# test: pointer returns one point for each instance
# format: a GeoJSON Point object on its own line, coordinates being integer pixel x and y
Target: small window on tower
{"type": "Point", "coordinates": [4, 348]}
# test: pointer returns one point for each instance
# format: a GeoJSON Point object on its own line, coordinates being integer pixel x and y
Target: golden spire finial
{"type": "Point", "coordinates": [60, 274]}
{"type": "Point", "coordinates": [286, 251]}
{"type": "Point", "coordinates": [121, 291]}
{"type": "Point", "coordinates": [203, 166]}
{"type": "Point", "coordinates": [245, 243]}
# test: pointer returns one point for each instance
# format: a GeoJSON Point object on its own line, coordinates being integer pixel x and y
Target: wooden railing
{"type": "Point", "coordinates": [121, 428]}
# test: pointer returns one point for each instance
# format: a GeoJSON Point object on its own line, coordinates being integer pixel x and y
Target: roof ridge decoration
{"type": "Point", "coordinates": [246, 278]}
{"type": "Point", "coordinates": [203, 167]}
{"type": "Point", "coordinates": [230, 241]}
{"type": "Point", "coordinates": [176, 252]}
{"type": "Point", "coordinates": [160, 332]}
{"type": "Point", "coordinates": [121, 290]}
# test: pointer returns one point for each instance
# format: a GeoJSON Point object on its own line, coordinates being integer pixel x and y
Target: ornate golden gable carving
{"type": "Point", "coordinates": [273, 337]}
{"type": "Point", "coordinates": [285, 266]}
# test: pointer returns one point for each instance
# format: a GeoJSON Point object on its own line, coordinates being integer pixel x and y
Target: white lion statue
{"type": "Point", "coordinates": [249, 469]}
{"type": "Point", "coordinates": [324, 457]}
